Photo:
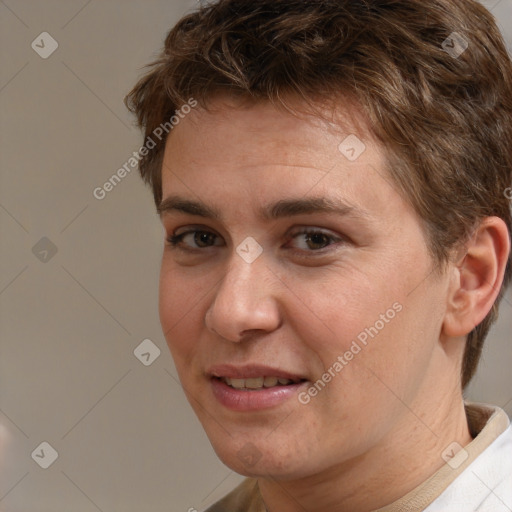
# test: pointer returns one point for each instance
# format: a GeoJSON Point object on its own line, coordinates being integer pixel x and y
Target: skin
{"type": "Point", "coordinates": [378, 429]}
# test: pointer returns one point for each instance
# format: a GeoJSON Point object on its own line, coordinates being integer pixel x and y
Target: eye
{"type": "Point", "coordinates": [315, 240]}
{"type": "Point", "coordinates": [309, 240]}
{"type": "Point", "coordinates": [199, 239]}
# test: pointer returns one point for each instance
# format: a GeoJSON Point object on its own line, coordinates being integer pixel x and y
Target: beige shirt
{"type": "Point", "coordinates": [486, 424]}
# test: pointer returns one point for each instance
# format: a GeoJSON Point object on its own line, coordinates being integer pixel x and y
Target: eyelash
{"type": "Point", "coordinates": [175, 241]}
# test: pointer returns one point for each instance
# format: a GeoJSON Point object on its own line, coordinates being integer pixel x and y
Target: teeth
{"type": "Point", "coordinates": [236, 383]}
{"type": "Point", "coordinates": [256, 382]}
{"type": "Point", "coordinates": [270, 382]}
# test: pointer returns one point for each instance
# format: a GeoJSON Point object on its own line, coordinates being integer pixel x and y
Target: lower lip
{"type": "Point", "coordinates": [240, 400]}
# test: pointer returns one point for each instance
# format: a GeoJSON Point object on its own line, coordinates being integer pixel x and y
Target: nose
{"type": "Point", "coordinates": [245, 301]}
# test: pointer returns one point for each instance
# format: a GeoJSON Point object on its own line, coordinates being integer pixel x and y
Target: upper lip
{"type": "Point", "coordinates": [251, 371]}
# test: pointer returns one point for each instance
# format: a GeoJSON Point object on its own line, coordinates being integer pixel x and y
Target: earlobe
{"type": "Point", "coordinates": [477, 278]}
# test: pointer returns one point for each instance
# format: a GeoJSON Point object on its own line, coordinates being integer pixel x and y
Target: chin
{"type": "Point", "coordinates": [264, 468]}
{"type": "Point", "coordinates": [251, 458]}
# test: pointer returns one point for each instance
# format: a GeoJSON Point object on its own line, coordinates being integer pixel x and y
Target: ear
{"type": "Point", "coordinates": [477, 278]}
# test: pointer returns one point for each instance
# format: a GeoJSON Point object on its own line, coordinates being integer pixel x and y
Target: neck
{"type": "Point", "coordinates": [407, 456]}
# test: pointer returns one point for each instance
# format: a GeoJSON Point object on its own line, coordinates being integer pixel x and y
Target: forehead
{"type": "Point", "coordinates": [259, 154]}
{"type": "Point", "coordinates": [259, 134]}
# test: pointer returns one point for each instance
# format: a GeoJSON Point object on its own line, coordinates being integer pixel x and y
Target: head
{"type": "Point", "coordinates": [376, 106]}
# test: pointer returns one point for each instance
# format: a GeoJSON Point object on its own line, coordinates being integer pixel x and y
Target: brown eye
{"type": "Point", "coordinates": [202, 238]}
{"type": "Point", "coordinates": [314, 240]}
{"type": "Point", "coordinates": [193, 239]}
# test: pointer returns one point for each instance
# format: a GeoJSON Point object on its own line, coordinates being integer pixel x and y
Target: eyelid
{"type": "Point", "coordinates": [307, 230]}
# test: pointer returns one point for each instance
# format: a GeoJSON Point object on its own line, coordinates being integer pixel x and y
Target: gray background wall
{"type": "Point", "coordinates": [70, 320]}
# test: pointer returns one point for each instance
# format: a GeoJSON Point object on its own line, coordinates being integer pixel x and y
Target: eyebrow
{"type": "Point", "coordinates": [282, 208]}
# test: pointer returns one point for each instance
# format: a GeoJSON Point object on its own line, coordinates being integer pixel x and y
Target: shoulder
{"type": "Point", "coordinates": [486, 483]}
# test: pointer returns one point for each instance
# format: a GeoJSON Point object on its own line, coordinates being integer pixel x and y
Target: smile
{"type": "Point", "coordinates": [256, 383]}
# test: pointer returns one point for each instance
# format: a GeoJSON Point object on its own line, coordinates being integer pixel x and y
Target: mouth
{"type": "Point", "coordinates": [258, 383]}
{"type": "Point", "coordinates": [253, 387]}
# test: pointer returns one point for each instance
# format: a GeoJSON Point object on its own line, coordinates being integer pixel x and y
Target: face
{"type": "Point", "coordinates": [296, 292]}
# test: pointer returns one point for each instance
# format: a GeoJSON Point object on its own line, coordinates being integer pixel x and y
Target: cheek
{"type": "Point", "coordinates": [330, 312]}
{"type": "Point", "coordinates": [180, 308]}
{"type": "Point", "coordinates": [366, 319]}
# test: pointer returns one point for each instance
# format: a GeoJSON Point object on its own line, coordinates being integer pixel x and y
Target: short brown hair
{"type": "Point", "coordinates": [443, 118]}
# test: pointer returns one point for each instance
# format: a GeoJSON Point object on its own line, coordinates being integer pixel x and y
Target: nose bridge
{"type": "Point", "coordinates": [244, 300]}
{"type": "Point", "coordinates": [248, 266]}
